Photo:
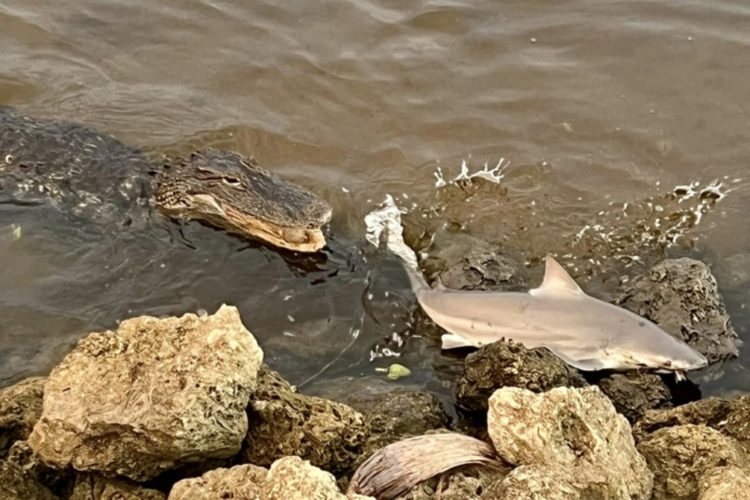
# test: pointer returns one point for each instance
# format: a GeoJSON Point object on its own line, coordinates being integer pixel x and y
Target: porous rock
{"type": "Point", "coordinates": [682, 297]}
{"type": "Point", "coordinates": [510, 364]}
{"type": "Point", "coordinates": [529, 482]}
{"type": "Point", "coordinates": [16, 485]}
{"type": "Point", "coordinates": [633, 393]}
{"type": "Point", "coordinates": [20, 408]}
{"type": "Point", "coordinates": [725, 483]}
{"type": "Point", "coordinates": [576, 431]}
{"type": "Point", "coordinates": [681, 456]}
{"type": "Point", "coordinates": [283, 422]}
{"type": "Point", "coordinates": [92, 487]}
{"type": "Point", "coordinates": [153, 394]}
{"type": "Point", "coordinates": [731, 417]}
{"type": "Point", "coordinates": [241, 481]}
{"type": "Point", "coordinates": [289, 478]}
{"type": "Point", "coordinates": [466, 483]}
{"type": "Point", "coordinates": [55, 480]}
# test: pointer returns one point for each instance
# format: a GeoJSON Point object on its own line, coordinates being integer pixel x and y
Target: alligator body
{"type": "Point", "coordinates": [93, 175]}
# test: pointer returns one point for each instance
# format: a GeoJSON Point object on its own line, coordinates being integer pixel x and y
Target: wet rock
{"type": "Point", "coordinates": [283, 422]}
{"type": "Point", "coordinates": [576, 431]}
{"type": "Point", "coordinates": [725, 483]}
{"type": "Point", "coordinates": [510, 364]}
{"type": "Point", "coordinates": [241, 482]}
{"type": "Point", "coordinates": [682, 297]}
{"type": "Point", "coordinates": [633, 393]}
{"type": "Point", "coordinates": [16, 485]}
{"type": "Point", "coordinates": [92, 487]}
{"type": "Point", "coordinates": [20, 408]}
{"type": "Point", "coordinates": [681, 456]}
{"type": "Point", "coordinates": [397, 413]}
{"type": "Point", "coordinates": [731, 417]}
{"type": "Point", "coordinates": [153, 394]}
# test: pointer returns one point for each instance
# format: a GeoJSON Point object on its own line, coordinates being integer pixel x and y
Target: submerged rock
{"type": "Point", "coordinates": [680, 457]}
{"type": "Point", "coordinates": [633, 393]}
{"type": "Point", "coordinates": [479, 270]}
{"type": "Point", "coordinates": [575, 432]}
{"type": "Point", "coordinates": [283, 422]}
{"type": "Point", "coordinates": [731, 417]}
{"type": "Point", "coordinates": [241, 481]}
{"type": "Point", "coordinates": [682, 297]}
{"type": "Point", "coordinates": [92, 487]}
{"type": "Point", "coordinates": [20, 408]}
{"type": "Point", "coordinates": [510, 364]}
{"type": "Point", "coordinates": [16, 485]}
{"type": "Point", "coordinates": [153, 394]}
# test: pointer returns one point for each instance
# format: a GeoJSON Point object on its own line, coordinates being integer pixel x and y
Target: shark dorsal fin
{"type": "Point", "coordinates": [556, 280]}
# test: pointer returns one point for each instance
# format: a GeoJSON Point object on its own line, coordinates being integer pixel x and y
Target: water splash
{"type": "Point", "coordinates": [492, 174]}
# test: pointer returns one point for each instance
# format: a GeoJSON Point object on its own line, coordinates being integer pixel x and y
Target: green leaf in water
{"type": "Point", "coordinates": [396, 371]}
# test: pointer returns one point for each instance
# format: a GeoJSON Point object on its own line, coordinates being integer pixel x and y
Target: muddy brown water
{"type": "Point", "coordinates": [603, 110]}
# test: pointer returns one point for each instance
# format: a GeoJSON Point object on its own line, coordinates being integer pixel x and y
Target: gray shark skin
{"type": "Point", "coordinates": [585, 332]}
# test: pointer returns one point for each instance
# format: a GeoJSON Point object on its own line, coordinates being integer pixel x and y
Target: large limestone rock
{"type": "Point", "coordinates": [731, 417]}
{"type": "Point", "coordinates": [510, 364]}
{"type": "Point", "coordinates": [682, 456]}
{"type": "Point", "coordinates": [577, 432]}
{"type": "Point", "coordinates": [20, 408]}
{"type": "Point", "coordinates": [682, 297]}
{"type": "Point", "coordinates": [283, 422]}
{"type": "Point", "coordinates": [153, 394]}
{"type": "Point", "coordinates": [634, 393]}
{"type": "Point", "coordinates": [289, 478]}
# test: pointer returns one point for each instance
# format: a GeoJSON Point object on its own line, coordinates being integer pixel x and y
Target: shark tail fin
{"type": "Point", "coordinates": [384, 225]}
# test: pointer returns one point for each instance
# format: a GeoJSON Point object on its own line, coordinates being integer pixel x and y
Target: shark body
{"type": "Point", "coordinates": [583, 331]}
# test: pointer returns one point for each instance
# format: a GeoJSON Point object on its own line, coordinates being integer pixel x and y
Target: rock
{"type": "Point", "coordinates": [682, 297]}
{"type": "Point", "coordinates": [154, 394]}
{"type": "Point", "coordinates": [725, 483]}
{"type": "Point", "coordinates": [680, 457]}
{"type": "Point", "coordinates": [241, 481]}
{"type": "Point", "coordinates": [576, 431]}
{"type": "Point", "coordinates": [398, 414]}
{"type": "Point", "coordinates": [289, 478]}
{"type": "Point", "coordinates": [530, 482]}
{"type": "Point", "coordinates": [633, 393]}
{"type": "Point", "coordinates": [91, 487]}
{"type": "Point", "coordinates": [15, 485]}
{"type": "Point", "coordinates": [731, 417]}
{"type": "Point", "coordinates": [283, 422]}
{"type": "Point", "coordinates": [465, 483]}
{"type": "Point", "coordinates": [463, 262]}
{"type": "Point", "coordinates": [20, 408]}
{"type": "Point", "coordinates": [292, 478]}
{"type": "Point", "coordinates": [510, 364]}
{"type": "Point", "coordinates": [24, 457]}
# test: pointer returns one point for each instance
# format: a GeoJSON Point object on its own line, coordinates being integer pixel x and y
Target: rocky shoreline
{"type": "Point", "coordinates": [185, 408]}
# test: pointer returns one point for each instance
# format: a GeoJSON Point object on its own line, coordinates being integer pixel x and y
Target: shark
{"type": "Point", "coordinates": [583, 331]}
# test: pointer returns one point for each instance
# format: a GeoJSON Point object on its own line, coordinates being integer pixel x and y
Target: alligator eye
{"type": "Point", "coordinates": [232, 181]}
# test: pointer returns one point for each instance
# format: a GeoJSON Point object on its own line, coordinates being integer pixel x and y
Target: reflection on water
{"type": "Point", "coordinates": [603, 110]}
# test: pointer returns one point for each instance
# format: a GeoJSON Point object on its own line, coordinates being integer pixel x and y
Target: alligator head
{"type": "Point", "coordinates": [225, 190]}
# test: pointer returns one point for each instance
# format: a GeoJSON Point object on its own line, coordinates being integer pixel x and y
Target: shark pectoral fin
{"type": "Point", "coordinates": [556, 280]}
{"type": "Point", "coordinates": [584, 364]}
{"type": "Point", "coordinates": [450, 341]}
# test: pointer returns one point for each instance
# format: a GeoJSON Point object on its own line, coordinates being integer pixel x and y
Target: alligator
{"type": "Point", "coordinates": [94, 175]}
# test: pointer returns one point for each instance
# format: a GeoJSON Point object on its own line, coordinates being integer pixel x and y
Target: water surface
{"type": "Point", "coordinates": [602, 109]}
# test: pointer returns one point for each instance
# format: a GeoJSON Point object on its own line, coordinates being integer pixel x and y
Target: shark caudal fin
{"type": "Point", "coordinates": [384, 226]}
